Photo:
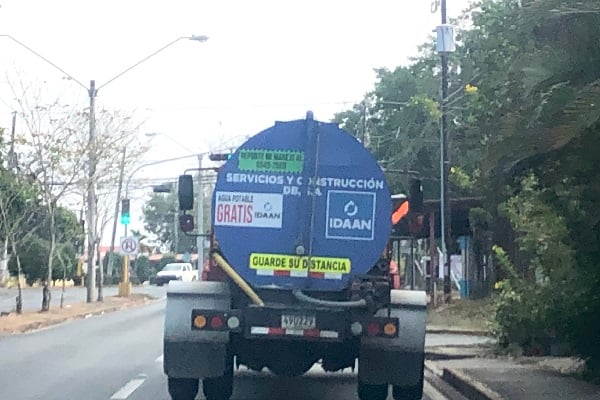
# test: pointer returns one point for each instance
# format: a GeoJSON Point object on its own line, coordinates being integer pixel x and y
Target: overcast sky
{"type": "Point", "coordinates": [264, 61]}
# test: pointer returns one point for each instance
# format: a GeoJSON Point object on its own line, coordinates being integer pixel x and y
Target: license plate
{"type": "Point", "coordinates": [298, 321]}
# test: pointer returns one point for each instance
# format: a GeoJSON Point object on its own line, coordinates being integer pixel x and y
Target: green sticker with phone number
{"type": "Point", "coordinates": [271, 160]}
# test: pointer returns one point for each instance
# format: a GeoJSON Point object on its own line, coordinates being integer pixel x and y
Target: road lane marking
{"type": "Point", "coordinates": [159, 359]}
{"type": "Point", "coordinates": [432, 393]}
{"type": "Point", "coordinates": [128, 389]}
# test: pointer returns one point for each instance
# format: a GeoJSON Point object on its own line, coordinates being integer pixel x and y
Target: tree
{"type": "Point", "coordinates": [34, 248]}
{"type": "Point", "coordinates": [143, 270]}
{"type": "Point", "coordinates": [54, 148]}
{"type": "Point", "coordinates": [18, 219]}
{"type": "Point", "coordinates": [54, 155]}
{"type": "Point", "coordinates": [116, 152]}
{"type": "Point", "coordinates": [525, 120]}
{"type": "Point", "coordinates": [161, 220]}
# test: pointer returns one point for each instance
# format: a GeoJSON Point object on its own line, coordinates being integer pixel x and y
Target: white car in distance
{"type": "Point", "coordinates": [176, 272]}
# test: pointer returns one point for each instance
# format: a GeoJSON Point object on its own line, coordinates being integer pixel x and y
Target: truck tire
{"type": "Point", "coordinates": [372, 392]}
{"type": "Point", "coordinates": [220, 388]}
{"type": "Point", "coordinates": [412, 392]}
{"type": "Point", "coordinates": [183, 388]}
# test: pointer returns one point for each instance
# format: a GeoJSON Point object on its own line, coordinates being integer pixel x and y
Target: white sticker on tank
{"type": "Point", "coordinates": [250, 210]}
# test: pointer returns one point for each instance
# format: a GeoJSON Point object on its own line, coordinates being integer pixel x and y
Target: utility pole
{"type": "Point", "coordinates": [114, 228]}
{"type": "Point", "coordinates": [200, 238]}
{"type": "Point", "coordinates": [445, 45]}
{"type": "Point", "coordinates": [91, 197]}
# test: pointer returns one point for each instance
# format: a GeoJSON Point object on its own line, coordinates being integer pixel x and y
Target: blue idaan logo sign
{"type": "Point", "coordinates": [350, 215]}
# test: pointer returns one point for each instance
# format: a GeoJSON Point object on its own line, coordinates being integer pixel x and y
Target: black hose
{"type": "Point", "coordinates": [327, 303]}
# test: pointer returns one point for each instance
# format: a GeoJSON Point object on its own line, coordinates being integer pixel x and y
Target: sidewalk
{"type": "Point", "coordinates": [503, 378]}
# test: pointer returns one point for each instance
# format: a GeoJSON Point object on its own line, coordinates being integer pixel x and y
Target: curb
{"type": "Point", "coordinates": [468, 386]}
{"type": "Point", "coordinates": [433, 355]}
{"type": "Point", "coordinates": [467, 332]}
{"type": "Point", "coordinates": [38, 326]}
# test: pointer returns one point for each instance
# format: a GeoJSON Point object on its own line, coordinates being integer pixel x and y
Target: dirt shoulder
{"type": "Point", "coordinates": [32, 320]}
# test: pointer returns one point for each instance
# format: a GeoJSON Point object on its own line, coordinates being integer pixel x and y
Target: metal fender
{"type": "Point", "coordinates": [397, 361]}
{"type": "Point", "coordinates": [192, 353]}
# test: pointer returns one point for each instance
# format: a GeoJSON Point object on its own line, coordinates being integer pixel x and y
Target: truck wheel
{"type": "Point", "coordinates": [183, 388]}
{"type": "Point", "coordinates": [220, 388]}
{"type": "Point", "coordinates": [372, 392]}
{"type": "Point", "coordinates": [412, 392]}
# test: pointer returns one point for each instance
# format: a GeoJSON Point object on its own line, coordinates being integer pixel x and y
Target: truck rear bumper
{"type": "Point", "coordinates": [316, 324]}
{"type": "Point", "coordinates": [303, 324]}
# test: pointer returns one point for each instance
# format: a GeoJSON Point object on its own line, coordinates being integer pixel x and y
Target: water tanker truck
{"type": "Point", "coordinates": [299, 272]}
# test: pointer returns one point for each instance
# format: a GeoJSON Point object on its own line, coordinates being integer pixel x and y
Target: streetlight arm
{"type": "Point", "coordinates": [154, 163]}
{"type": "Point", "coordinates": [45, 59]}
{"type": "Point", "coordinates": [197, 38]}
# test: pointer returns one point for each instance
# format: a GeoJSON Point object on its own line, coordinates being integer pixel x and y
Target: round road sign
{"type": "Point", "coordinates": [129, 245]}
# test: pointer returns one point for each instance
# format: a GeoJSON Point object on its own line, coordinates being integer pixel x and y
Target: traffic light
{"type": "Point", "coordinates": [164, 188]}
{"type": "Point", "coordinates": [220, 156]}
{"type": "Point", "coordinates": [415, 196]}
{"type": "Point", "coordinates": [186, 222]}
{"type": "Point", "coordinates": [185, 192]}
{"type": "Point", "coordinates": [125, 218]}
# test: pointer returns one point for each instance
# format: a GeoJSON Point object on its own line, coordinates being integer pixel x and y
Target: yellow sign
{"type": "Point", "coordinates": [284, 262]}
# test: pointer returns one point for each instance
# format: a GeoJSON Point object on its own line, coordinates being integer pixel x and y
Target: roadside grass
{"type": "Point", "coordinates": [463, 314]}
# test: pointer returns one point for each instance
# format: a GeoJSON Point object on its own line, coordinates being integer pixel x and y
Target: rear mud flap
{"type": "Point", "coordinates": [194, 360]}
{"type": "Point", "coordinates": [397, 361]}
{"type": "Point", "coordinates": [191, 353]}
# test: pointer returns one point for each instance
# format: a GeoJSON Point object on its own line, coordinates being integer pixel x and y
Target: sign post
{"type": "Point", "coordinates": [129, 246]}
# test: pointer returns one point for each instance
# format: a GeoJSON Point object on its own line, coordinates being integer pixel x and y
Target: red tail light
{"type": "Point", "coordinates": [373, 329]}
{"type": "Point", "coordinates": [216, 322]}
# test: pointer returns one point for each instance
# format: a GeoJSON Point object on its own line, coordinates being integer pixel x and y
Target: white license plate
{"type": "Point", "coordinates": [298, 321]}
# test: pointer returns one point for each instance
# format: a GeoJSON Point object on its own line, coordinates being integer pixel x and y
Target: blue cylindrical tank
{"type": "Point", "coordinates": [301, 205]}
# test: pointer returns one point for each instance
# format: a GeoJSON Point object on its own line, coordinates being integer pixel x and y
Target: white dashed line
{"type": "Point", "coordinates": [128, 389]}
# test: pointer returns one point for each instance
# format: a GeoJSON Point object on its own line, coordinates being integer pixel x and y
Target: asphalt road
{"type": "Point", "coordinates": [32, 297]}
{"type": "Point", "coordinates": [118, 356]}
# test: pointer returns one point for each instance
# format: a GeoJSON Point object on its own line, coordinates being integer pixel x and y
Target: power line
{"type": "Point", "coordinates": [247, 106]}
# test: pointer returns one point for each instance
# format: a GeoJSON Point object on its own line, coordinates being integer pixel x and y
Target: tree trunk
{"type": "Point", "coordinates": [46, 294]}
{"type": "Point", "coordinates": [64, 277]}
{"type": "Point", "coordinates": [19, 306]}
{"type": "Point", "coordinates": [100, 275]}
{"type": "Point", "coordinates": [4, 275]}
